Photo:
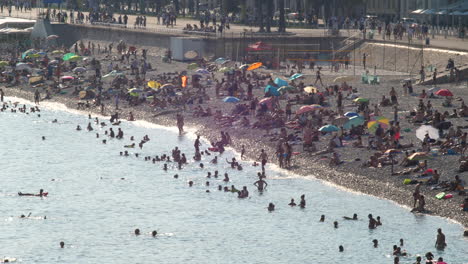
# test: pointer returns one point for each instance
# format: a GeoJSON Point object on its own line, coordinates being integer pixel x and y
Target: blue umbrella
{"type": "Point", "coordinates": [329, 128]}
{"type": "Point", "coordinates": [295, 76]}
{"type": "Point", "coordinates": [231, 99]}
{"type": "Point", "coordinates": [351, 114]}
{"type": "Point", "coordinates": [353, 121]}
{"type": "Point", "coordinates": [272, 90]}
{"type": "Point", "coordinates": [280, 82]}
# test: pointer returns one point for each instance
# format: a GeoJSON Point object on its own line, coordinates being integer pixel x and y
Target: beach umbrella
{"type": "Point", "coordinates": [244, 66]}
{"type": "Point", "coordinates": [419, 156]}
{"type": "Point", "coordinates": [351, 114]}
{"type": "Point", "coordinates": [444, 92]}
{"type": "Point", "coordinates": [329, 128]}
{"type": "Point", "coordinates": [3, 63]}
{"type": "Point", "coordinates": [254, 66]}
{"type": "Point", "coordinates": [75, 58]}
{"type": "Point", "coordinates": [67, 78]}
{"type": "Point", "coordinates": [425, 129]}
{"type": "Point", "coordinates": [340, 121]}
{"type": "Point", "coordinates": [221, 61]}
{"type": "Point", "coordinates": [54, 62]}
{"type": "Point", "coordinates": [167, 86]}
{"type": "Point", "coordinates": [154, 84]}
{"type": "Point", "coordinates": [376, 121]}
{"type": "Point", "coordinates": [28, 52]}
{"type": "Point", "coordinates": [295, 76]}
{"type": "Point", "coordinates": [225, 69]}
{"type": "Point", "coordinates": [67, 56]}
{"type": "Point", "coordinates": [280, 82]}
{"type": "Point", "coordinates": [361, 100]}
{"type": "Point", "coordinates": [112, 74]}
{"type": "Point", "coordinates": [50, 37]}
{"type": "Point", "coordinates": [55, 52]}
{"type": "Point", "coordinates": [272, 90]}
{"type": "Point", "coordinates": [79, 69]}
{"type": "Point", "coordinates": [343, 79]}
{"type": "Point", "coordinates": [23, 66]}
{"type": "Point", "coordinates": [202, 71]}
{"type": "Point", "coordinates": [307, 108]}
{"type": "Point", "coordinates": [192, 66]}
{"type": "Point", "coordinates": [310, 89]}
{"type": "Point", "coordinates": [353, 121]}
{"type": "Point", "coordinates": [267, 100]}
{"type": "Point", "coordinates": [33, 55]}
{"type": "Point", "coordinates": [231, 99]}
{"type": "Point", "coordinates": [283, 89]}
{"type": "Point", "coordinates": [392, 151]}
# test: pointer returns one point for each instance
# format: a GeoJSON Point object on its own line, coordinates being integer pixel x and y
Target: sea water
{"type": "Point", "coordinates": [97, 198]}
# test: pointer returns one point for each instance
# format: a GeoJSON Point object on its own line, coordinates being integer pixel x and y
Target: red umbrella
{"type": "Point", "coordinates": [444, 92]}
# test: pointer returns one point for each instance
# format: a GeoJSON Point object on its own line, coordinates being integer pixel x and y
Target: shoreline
{"type": "Point", "coordinates": [339, 177]}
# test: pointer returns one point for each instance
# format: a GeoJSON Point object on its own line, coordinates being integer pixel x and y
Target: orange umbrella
{"type": "Point", "coordinates": [254, 66]}
{"type": "Point", "coordinates": [184, 81]}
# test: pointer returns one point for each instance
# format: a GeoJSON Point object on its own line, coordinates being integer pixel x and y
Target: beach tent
{"type": "Point", "coordinates": [444, 92]}
{"type": "Point", "coordinates": [272, 90]}
{"type": "Point", "coordinates": [280, 82]}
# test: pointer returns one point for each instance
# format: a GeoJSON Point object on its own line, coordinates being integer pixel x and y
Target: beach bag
{"type": "Point", "coordinates": [440, 196]}
{"type": "Point", "coordinates": [448, 196]}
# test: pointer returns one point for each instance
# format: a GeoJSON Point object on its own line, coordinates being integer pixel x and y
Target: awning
{"type": "Point", "coordinates": [417, 12]}
{"type": "Point", "coordinates": [428, 12]}
{"type": "Point", "coordinates": [457, 13]}
{"type": "Point", "coordinates": [442, 12]}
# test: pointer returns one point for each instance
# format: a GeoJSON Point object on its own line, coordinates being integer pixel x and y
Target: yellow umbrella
{"type": "Point", "coordinates": [154, 84]}
{"type": "Point", "coordinates": [254, 66]}
{"type": "Point", "coordinates": [310, 89]}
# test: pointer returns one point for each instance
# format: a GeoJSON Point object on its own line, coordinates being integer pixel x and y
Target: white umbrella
{"type": "Point", "coordinates": [423, 130]}
{"type": "Point", "coordinates": [79, 69]}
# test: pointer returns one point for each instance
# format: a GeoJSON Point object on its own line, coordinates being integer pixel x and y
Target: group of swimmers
{"type": "Point", "coordinates": [261, 185]}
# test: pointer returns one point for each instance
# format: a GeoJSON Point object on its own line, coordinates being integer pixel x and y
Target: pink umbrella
{"type": "Point", "coordinates": [68, 78]}
{"type": "Point", "coordinates": [307, 108]}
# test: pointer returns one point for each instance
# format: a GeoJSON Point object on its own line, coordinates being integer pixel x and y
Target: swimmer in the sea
{"type": "Point", "coordinates": [137, 232]}
{"type": "Point", "coordinates": [292, 203]}
{"type": "Point", "coordinates": [302, 204]}
{"type": "Point", "coordinates": [271, 207]}
{"type": "Point", "coordinates": [89, 127]}
{"type": "Point", "coordinates": [214, 160]}
{"type": "Point", "coordinates": [351, 218]}
{"type": "Point", "coordinates": [78, 128]}
{"type": "Point", "coordinates": [190, 183]}
{"type": "Point", "coordinates": [154, 233]}
{"type": "Point", "coordinates": [376, 243]}
{"type": "Point", "coordinates": [322, 218]}
{"type": "Point", "coordinates": [335, 224]}
{"type": "Point", "coordinates": [226, 177]}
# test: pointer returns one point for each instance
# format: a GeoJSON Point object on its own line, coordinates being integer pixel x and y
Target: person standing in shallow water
{"type": "Point", "coordinates": [440, 241]}
{"type": "Point", "coordinates": [180, 123]}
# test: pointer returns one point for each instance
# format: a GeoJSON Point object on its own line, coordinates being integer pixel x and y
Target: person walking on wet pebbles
{"type": "Point", "coordinates": [263, 158]}
{"type": "Point", "coordinates": [37, 97]}
{"type": "Point", "coordinates": [440, 241]}
{"type": "Point", "coordinates": [2, 95]}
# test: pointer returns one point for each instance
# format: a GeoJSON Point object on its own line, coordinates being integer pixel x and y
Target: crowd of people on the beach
{"type": "Point", "coordinates": [179, 158]}
{"type": "Point", "coordinates": [292, 113]}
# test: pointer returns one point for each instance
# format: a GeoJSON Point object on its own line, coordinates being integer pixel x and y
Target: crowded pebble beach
{"type": "Point", "coordinates": [317, 121]}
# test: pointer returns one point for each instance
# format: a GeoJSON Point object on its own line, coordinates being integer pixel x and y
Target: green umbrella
{"type": "Point", "coordinates": [361, 100]}
{"type": "Point", "coordinates": [67, 56]}
{"type": "Point", "coordinates": [3, 63]}
{"type": "Point", "coordinates": [75, 58]}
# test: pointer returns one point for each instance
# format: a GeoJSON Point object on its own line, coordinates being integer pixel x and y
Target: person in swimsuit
{"type": "Point", "coordinates": [440, 241]}
{"type": "Point", "coordinates": [261, 184]}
